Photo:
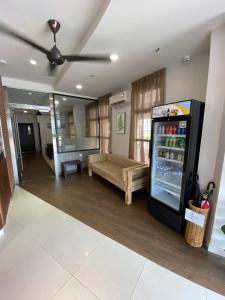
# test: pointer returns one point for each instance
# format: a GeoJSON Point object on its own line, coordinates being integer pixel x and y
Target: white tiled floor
{"type": "Point", "coordinates": [46, 254]}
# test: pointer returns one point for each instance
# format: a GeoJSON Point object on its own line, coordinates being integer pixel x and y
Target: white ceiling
{"type": "Point", "coordinates": [30, 18]}
{"type": "Point", "coordinates": [131, 28]}
{"type": "Point", "coordinates": [23, 97]}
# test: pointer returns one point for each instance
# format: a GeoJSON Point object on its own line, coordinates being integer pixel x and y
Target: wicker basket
{"type": "Point", "coordinates": [194, 234]}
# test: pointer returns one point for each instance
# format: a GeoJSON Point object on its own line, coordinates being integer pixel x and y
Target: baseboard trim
{"type": "Point", "coordinates": [216, 250]}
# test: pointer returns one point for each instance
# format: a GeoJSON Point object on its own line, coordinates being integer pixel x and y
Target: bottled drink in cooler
{"type": "Point", "coordinates": [174, 142]}
{"type": "Point", "coordinates": [174, 129]}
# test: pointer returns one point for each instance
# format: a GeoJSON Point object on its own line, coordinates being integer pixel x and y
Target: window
{"type": "Point", "coordinates": [105, 124]}
{"type": "Point", "coordinates": [92, 120]}
{"type": "Point", "coordinates": [146, 93]}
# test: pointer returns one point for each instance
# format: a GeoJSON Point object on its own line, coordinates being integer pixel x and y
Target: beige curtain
{"type": "Point", "coordinates": [92, 120]}
{"type": "Point", "coordinates": [146, 93]}
{"type": "Point", "coordinates": [105, 124]}
{"type": "Point", "coordinates": [72, 128]}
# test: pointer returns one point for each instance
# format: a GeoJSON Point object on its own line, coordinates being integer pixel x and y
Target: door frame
{"type": "Point", "coordinates": [32, 126]}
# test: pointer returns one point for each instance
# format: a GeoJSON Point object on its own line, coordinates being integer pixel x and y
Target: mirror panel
{"type": "Point", "coordinates": [77, 123]}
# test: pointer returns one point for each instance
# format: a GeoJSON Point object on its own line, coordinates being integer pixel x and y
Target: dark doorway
{"type": "Point", "coordinates": [27, 140]}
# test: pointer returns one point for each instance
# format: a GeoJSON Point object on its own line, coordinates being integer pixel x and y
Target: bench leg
{"type": "Point", "coordinates": [128, 197]}
{"type": "Point", "coordinates": [89, 171]}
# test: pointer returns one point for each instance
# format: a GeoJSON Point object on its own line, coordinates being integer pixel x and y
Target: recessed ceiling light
{"type": "Point", "coordinates": [114, 57]}
{"type": "Point", "coordinates": [25, 111]}
{"type": "Point", "coordinates": [64, 98]}
{"type": "Point", "coordinates": [57, 102]}
{"type": "Point", "coordinates": [29, 93]}
{"type": "Point", "coordinates": [33, 62]}
{"type": "Point", "coordinates": [79, 86]}
{"type": "Point", "coordinates": [3, 62]}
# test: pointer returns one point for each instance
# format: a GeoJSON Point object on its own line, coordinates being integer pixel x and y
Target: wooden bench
{"type": "Point", "coordinates": [127, 174]}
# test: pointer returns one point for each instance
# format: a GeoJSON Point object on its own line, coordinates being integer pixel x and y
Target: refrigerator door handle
{"type": "Point", "coordinates": [190, 178]}
{"type": "Point", "coordinates": [150, 149]}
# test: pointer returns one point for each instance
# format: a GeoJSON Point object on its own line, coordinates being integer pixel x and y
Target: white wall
{"type": "Point", "coordinates": [187, 81]}
{"type": "Point", "coordinates": [30, 118]}
{"type": "Point", "coordinates": [11, 138]}
{"type": "Point", "coordinates": [120, 142]}
{"type": "Point", "coordinates": [45, 131]}
{"type": "Point", "coordinates": [182, 82]}
{"type": "Point", "coordinates": [213, 138]}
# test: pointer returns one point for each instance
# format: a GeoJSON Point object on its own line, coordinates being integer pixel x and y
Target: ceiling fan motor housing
{"type": "Point", "coordinates": [55, 56]}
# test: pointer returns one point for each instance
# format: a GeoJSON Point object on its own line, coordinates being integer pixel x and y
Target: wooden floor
{"type": "Point", "coordinates": [100, 205]}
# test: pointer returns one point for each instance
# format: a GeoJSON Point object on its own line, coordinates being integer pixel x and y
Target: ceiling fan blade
{"type": "Point", "coordinates": [52, 68]}
{"type": "Point", "coordinates": [10, 32]}
{"type": "Point", "coordinates": [88, 58]}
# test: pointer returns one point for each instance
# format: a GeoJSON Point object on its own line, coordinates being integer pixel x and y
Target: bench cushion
{"type": "Point", "coordinates": [108, 170]}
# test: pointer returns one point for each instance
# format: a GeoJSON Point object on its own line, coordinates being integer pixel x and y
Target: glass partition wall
{"type": "Point", "coordinates": [76, 122]}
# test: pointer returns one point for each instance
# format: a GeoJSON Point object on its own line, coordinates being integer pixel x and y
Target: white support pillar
{"type": "Point", "coordinates": [213, 137]}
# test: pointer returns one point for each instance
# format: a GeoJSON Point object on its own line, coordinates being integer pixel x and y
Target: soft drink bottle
{"type": "Point", "coordinates": [174, 129]}
{"type": "Point", "coordinates": [159, 129]}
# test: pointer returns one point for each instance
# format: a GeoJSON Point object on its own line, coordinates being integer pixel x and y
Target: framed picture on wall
{"type": "Point", "coordinates": [121, 123]}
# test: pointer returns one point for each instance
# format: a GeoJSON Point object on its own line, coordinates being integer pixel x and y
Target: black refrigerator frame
{"type": "Point", "coordinates": [166, 214]}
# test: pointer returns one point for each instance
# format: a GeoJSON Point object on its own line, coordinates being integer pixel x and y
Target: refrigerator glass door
{"type": "Point", "coordinates": [169, 140]}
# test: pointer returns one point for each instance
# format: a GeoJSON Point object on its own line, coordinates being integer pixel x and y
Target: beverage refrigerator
{"type": "Point", "coordinates": [174, 152]}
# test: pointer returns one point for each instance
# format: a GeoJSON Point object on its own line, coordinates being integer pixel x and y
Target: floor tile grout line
{"type": "Point", "coordinates": [55, 259]}
{"type": "Point", "coordinates": [139, 277]}
{"type": "Point", "coordinates": [52, 209]}
{"type": "Point", "coordinates": [91, 251]}
{"type": "Point", "coordinates": [43, 249]}
{"type": "Point", "coordinates": [52, 256]}
{"type": "Point", "coordinates": [86, 287]}
{"type": "Point", "coordinates": [60, 288]}
{"type": "Point", "coordinates": [27, 257]}
{"type": "Point", "coordinates": [38, 246]}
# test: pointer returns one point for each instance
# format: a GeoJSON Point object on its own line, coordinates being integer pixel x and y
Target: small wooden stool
{"type": "Point", "coordinates": [72, 166]}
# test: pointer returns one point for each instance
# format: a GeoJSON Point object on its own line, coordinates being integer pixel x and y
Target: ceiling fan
{"type": "Point", "coordinates": [54, 55]}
